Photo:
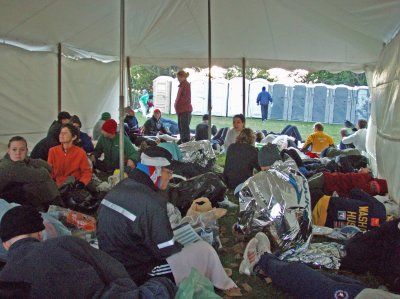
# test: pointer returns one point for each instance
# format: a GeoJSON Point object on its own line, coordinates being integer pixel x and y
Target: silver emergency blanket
{"type": "Point", "coordinates": [199, 152]}
{"type": "Point", "coordinates": [278, 203]}
{"type": "Point", "coordinates": [318, 255]}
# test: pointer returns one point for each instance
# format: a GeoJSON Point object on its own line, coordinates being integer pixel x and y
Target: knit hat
{"type": "Point", "coordinates": [156, 156]}
{"type": "Point", "coordinates": [20, 220]}
{"type": "Point", "coordinates": [157, 111]}
{"type": "Point", "coordinates": [105, 116]}
{"type": "Point", "coordinates": [268, 154]}
{"type": "Point", "coordinates": [75, 119]}
{"type": "Point", "coordinates": [110, 126]}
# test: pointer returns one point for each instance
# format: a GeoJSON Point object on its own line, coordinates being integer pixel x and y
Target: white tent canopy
{"type": "Point", "coordinates": [312, 34]}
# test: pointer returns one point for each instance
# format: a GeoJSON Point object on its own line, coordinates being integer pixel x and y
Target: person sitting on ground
{"type": "Point", "coordinates": [84, 140]}
{"type": "Point", "coordinates": [300, 280]}
{"type": "Point", "coordinates": [317, 140]}
{"type": "Point", "coordinates": [133, 227]}
{"type": "Point", "coordinates": [62, 119]}
{"type": "Point", "coordinates": [359, 137]}
{"type": "Point", "coordinates": [41, 149]}
{"type": "Point", "coordinates": [241, 159]}
{"type": "Point", "coordinates": [239, 122]}
{"type": "Point", "coordinates": [131, 124]}
{"type": "Point", "coordinates": [24, 180]}
{"type": "Point", "coordinates": [202, 129]}
{"type": "Point", "coordinates": [108, 144]}
{"type": "Point", "coordinates": [64, 267]}
{"type": "Point", "coordinates": [154, 126]}
{"type": "Point", "coordinates": [69, 160]}
{"type": "Point", "coordinates": [130, 119]}
{"type": "Point", "coordinates": [343, 134]}
{"type": "Point", "coordinates": [97, 127]}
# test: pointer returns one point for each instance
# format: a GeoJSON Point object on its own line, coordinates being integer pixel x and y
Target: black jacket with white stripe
{"type": "Point", "coordinates": [133, 226]}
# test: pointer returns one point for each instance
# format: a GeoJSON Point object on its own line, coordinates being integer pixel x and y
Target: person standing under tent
{"type": "Point", "coordinates": [183, 106]}
{"type": "Point", "coordinates": [263, 99]}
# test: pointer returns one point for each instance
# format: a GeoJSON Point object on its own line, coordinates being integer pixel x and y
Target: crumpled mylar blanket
{"type": "Point", "coordinates": [278, 203]}
{"type": "Point", "coordinates": [199, 152]}
{"type": "Point", "coordinates": [319, 255]}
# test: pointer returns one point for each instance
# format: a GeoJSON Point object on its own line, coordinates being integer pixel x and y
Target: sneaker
{"type": "Point", "coordinates": [263, 243]}
{"type": "Point", "coordinates": [246, 267]}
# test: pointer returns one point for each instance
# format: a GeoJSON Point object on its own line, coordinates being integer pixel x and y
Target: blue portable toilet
{"type": "Point", "coordinates": [280, 100]}
{"type": "Point", "coordinates": [319, 104]}
{"type": "Point", "coordinates": [298, 102]}
{"type": "Point", "coordinates": [340, 107]}
{"type": "Point", "coordinates": [361, 104]}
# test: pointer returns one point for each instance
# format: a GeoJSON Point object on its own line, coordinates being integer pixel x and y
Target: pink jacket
{"type": "Point", "coordinates": [183, 99]}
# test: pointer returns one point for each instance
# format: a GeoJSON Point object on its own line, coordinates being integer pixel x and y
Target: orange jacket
{"type": "Point", "coordinates": [74, 163]}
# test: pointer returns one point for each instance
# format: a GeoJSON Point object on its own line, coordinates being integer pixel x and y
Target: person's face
{"type": "Point", "coordinates": [238, 124]}
{"type": "Point", "coordinates": [157, 115]}
{"type": "Point", "coordinates": [64, 121]}
{"type": "Point", "coordinates": [131, 113]}
{"type": "Point", "coordinates": [66, 136]}
{"type": "Point", "coordinates": [181, 78]}
{"type": "Point", "coordinates": [76, 125]}
{"type": "Point", "coordinates": [166, 175]}
{"type": "Point", "coordinates": [17, 150]}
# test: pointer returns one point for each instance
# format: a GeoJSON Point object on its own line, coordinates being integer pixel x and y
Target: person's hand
{"type": "Point", "coordinates": [79, 185]}
{"type": "Point", "coordinates": [92, 158]}
{"type": "Point", "coordinates": [272, 105]}
{"type": "Point", "coordinates": [131, 164]}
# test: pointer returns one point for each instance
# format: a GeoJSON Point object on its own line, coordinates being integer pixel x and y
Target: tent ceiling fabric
{"type": "Point", "coordinates": [312, 34]}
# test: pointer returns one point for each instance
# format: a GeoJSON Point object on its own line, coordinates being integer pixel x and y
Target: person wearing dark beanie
{"type": "Point", "coordinates": [64, 267]}
{"type": "Point", "coordinates": [108, 144]}
{"type": "Point", "coordinates": [18, 221]}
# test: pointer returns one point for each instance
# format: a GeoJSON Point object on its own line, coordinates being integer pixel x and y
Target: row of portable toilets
{"type": "Point", "coordinates": [298, 102]}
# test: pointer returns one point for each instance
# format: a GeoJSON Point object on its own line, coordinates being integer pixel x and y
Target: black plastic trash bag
{"type": "Point", "coordinates": [207, 185]}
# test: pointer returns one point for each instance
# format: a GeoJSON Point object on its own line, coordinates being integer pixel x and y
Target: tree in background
{"type": "Point", "coordinates": [251, 73]}
{"type": "Point", "coordinates": [346, 77]}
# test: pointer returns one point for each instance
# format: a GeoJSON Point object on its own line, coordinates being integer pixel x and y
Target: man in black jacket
{"type": "Point", "coordinates": [133, 227]}
{"type": "Point", "coordinates": [65, 267]}
{"type": "Point", "coordinates": [133, 224]}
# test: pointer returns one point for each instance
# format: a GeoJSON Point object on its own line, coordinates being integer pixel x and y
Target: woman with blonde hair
{"type": "Point", "coordinates": [183, 106]}
{"type": "Point", "coordinates": [241, 159]}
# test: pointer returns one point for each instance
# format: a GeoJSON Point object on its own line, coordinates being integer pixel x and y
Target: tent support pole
{"type": "Point", "coordinates": [128, 73]}
{"type": "Point", "coordinates": [209, 70]}
{"type": "Point", "coordinates": [244, 85]}
{"type": "Point", "coordinates": [59, 68]}
{"type": "Point", "coordinates": [121, 89]}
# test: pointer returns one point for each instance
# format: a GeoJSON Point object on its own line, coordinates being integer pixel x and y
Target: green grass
{"type": "Point", "coordinates": [276, 126]}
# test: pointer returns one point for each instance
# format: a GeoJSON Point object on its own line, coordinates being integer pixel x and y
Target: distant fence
{"type": "Point", "coordinates": [299, 102]}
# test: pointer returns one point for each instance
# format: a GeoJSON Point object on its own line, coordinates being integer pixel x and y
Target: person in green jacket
{"type": "Point", "coordinates": [108, 144]}
{"type": "Point", "coordinates": [24, 180]}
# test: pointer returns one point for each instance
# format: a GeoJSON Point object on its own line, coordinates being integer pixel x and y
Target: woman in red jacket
{"type": "Point", "coordinates": [69, 160]}
{"type": "Point", "coordinates": [183, 106]}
